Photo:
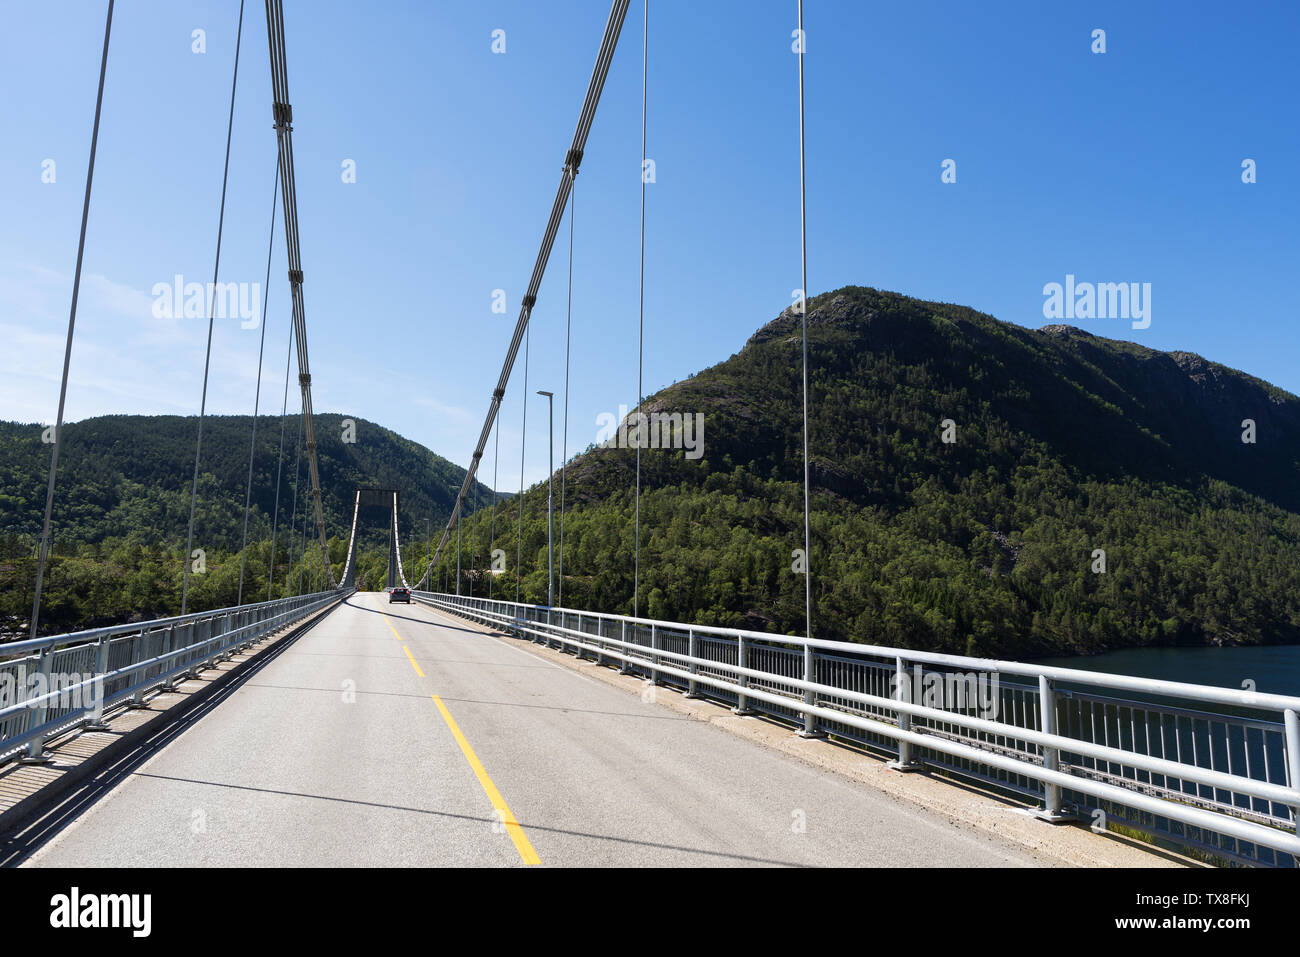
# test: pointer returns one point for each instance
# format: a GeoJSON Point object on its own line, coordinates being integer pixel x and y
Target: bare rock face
{"type": "Point", "coordinates": [1060, 331]}
{"type": "Point", "coordinates": [834, 310]}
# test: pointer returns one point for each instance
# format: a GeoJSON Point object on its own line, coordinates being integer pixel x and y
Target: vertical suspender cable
{"type": "Point", "coordinates": [473, 544]}
{"type": "Point", "coordinates": [523, 441]}
{"type": "Point", "coordinates": [803, 301]}
{"type": "Point", "coordinates": [275, 521]}
{"type": "Point", "coordinates": [640, 340]}
{"type": "Point", "coordinates": [302, 566]}
{"type": "Point", "coordinates": [302, 557]}
{"type": "Point", "coordinates": [44, 548]}
{"type": "Point", "coordinates": [207, 358]}
{"type": "Point", "coordinates": [257, 393]}
{"type": "Point", "coordinates": [564, 442]}
{"type": "Point", "coordinates": [293, 517]}
{"type": "Point", "coordinates": [492, 535]}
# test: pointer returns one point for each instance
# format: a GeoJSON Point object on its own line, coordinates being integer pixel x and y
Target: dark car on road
{"type": "Point", "coordinates": [399, 594]}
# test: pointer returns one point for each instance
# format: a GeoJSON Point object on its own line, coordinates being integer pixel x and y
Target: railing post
{"type": "Point", "coordinates": [809, 729]}
{"type": "Point", "coordinates": [96, 720]}
{"type": "Point", "coordinates": [1291, 720]}
{"type": "Point", "coordinates": [625, 664]}
{"type": "Point", "coordinates": [169, 645]}
{"type": "Point", "coordinates": [191, 639]}
{"type": "Point", "coordinates": [137, 699]}
{"type": "Point", "coordinates": [691, 650]}
{"type": "Point", "coordinates": [577, 648]}
{"type": "Point", "coordinates": [742, 660]}
{"type": "Point", "coordinates": [1051, 809]}
{"type": "Point", "coordinates": [654, 654]}
{"type": "Point", "coordinates": [209, 634]}
{"type": "Point", "coordinates": [902, 692]}
{"type": "Point", "coordinates": [39, 715]}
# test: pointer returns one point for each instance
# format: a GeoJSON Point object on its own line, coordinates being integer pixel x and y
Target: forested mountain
{"type": "Point", "coordinates": [968, 475]}
{"type": "Point", "coordinates": [128, 477]}
{"type": "Point", "coordinates": [1064, 445]}
{"type": "Point", "coordinates": [122, 508]}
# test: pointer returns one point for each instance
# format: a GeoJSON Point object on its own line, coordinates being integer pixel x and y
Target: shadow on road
{"type": "Point", "coordinates": [419, 621]}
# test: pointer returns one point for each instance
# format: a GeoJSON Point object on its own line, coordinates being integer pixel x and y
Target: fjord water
{"type": "Point", "coordinates": [1274, 669]}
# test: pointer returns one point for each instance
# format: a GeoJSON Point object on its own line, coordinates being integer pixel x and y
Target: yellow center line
{"type": "Point", "coordinates": [507, 817]}
{"type": "Point", "coordinates": [413, 661]}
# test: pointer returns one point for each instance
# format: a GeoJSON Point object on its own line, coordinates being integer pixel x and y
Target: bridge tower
{"type": "Point", "coordinates": [371, 500]}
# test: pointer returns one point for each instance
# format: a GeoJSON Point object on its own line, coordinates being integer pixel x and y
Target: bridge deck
{"type": "Point", "coordinates": [285, 771]}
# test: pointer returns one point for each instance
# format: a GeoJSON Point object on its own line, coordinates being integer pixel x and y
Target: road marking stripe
{"type": "Point", "coordinates": [413, 661]}
{"type": "Point", "coordinates": [513, 828]}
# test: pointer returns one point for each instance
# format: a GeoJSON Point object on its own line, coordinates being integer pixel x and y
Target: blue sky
{"type": "Point", "coordinates": [1122, 166]}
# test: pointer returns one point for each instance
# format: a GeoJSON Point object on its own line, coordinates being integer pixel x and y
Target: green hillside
{"type": "Point", "coordinates": [122, 508]}
{"type": "Point", "coordinates": [1065, 443]}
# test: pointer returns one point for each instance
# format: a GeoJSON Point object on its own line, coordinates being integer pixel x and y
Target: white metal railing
{"type": "Point", "coordinates": [1216, 769]}
{"type": "Point", "coordinates": [50, 686]}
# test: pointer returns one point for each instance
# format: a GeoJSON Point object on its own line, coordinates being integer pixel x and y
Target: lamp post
{"type": "Point", "coordinates": [550, 497]}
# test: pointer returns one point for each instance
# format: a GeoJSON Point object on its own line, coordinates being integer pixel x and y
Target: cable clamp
{"type": "Point", "coordinates": [283, 115]}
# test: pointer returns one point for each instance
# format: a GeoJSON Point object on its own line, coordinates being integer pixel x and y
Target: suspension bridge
{"type": "Point", "coordinates": [325, 728]}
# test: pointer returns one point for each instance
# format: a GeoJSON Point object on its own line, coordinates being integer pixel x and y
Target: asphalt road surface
{"type": "Point", "coordinates": [396, 735]}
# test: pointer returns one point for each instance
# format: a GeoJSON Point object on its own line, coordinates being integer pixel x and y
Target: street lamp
{"type": "Point", "coordinates": [550, 497]}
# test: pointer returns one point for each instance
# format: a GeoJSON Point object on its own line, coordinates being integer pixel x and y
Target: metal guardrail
{"type": "Point", "coordinates": [1214, 770]}
{"type": "Point", "coordinates": [50, 686]}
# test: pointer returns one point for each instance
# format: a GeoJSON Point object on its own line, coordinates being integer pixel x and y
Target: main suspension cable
{"type": "Point", "coordinates": [212, 303]}
{"type": "Point", "coordinates": [43, 549]}
{"type": "Point", "coordinates": [282, 112]}
{"type": "Point", "coordinates": [571, 162]}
